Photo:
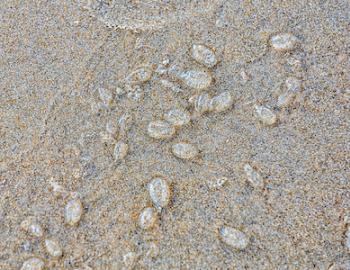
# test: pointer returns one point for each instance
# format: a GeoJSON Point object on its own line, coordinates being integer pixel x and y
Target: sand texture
{"type": "Point", "coordinates": [164, 135]}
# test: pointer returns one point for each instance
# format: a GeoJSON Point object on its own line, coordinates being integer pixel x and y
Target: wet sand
{"type": "Point", "coordinates": [74, 83]}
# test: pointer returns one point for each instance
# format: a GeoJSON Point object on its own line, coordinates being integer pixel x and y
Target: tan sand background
{"type": "Point", "coordinates": [54, 55]}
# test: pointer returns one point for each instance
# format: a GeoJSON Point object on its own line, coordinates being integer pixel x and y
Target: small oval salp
{"type": "Point", "coordinates": [201, 102]}
{"type": "Point", "coordinates": [196, 79]}
{"type": "Point", "coordinates": [266, 115]}
{"type": "Point", "coordinates": [185, 150]}
{"type": "Point", "coordinates": [253, 176]}
{"type": "Point", "coordinates": [293, 84]}
{"type": "Point", "coordinates": [203, 55]}
{"type": "Point", "coordinates": [120, 150]}
{"type": "Point", "coordinates": [105, 96]}
{"type": "Point", "coordinates": [148, 218]}
{"type": "Point", "coordinates": [284, 42]}
{"type": "Point", "coordinates": [221, 102]}
{"type": "Point", "coordinates": [159, 192]}
{"type": "Point", "coordinates": [177, 117]}
{"type": "Point", "coordinates": [233, 237]}
{"type": "Point", "coordinates": [140, 75]}
{"type": "Point", "coordinates": [160, 130]}
{"type": "Point", "coordinates": [53, 248]}
{"type": "Point", "coordinates": [33, 264]}
{"type": "Point", "coordinates": [73, 212]}
{"type": "Point", "coordinates": [32, 227]}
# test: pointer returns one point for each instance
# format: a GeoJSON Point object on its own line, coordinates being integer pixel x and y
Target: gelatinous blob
{"type": "Point", "coordinates": [177, 117]}
{"type": "Point", "coordinates": [73, 212]}
{"type": "Point", "coordinates": [129, 259]}
{"type": "Point", "coordinates": [136, 94]}
{"type": "Point", "coordinates": [233, 237]}
{"type": "Point", "coordinates": [159, 192]}
{"type": "Point", "coordinates": [33, 264]}
{"type": "Point", "coordinates": [105, 96]}
{"type": "Point", "coordinates": [53, 248]}
{"type": "Point", "coordinates": [124, 123]}
{"type": "Point", "coordinates": [140, 75]}
{"type": "Point", "coordinates": [112, 128]}
{"type": "Point", "coordinates": [201, 102]}
{"type": "Point", "coordinates": [204, 55]}
{"type": "Point", "coordinates": [196, 79]}
{"type": "Point", "coordinates": [266, 115]}
{"type": "Point", "coordinates": [221, 102]}
{"type": "Point", "coordinates": [347, 239]}
{"type": "Point", "coordinates": [254, 177]}
{"type": "Point", "coordinates": [284, 42]}
{"type": "Point", "coordinates": [217, 183]}
{"type": "Point", "coordinates": [148, 218]}
{"type": "Point", "coordinates": [160, 129]}
{"type": "Point", "coordinates": [32, 227]}
{"type": "Point", "coordinates": [172, 86]}
{"type": "Point", "coordinates": [285, 99]}
{"type": "Point", "coordinates": [120, 150]}
{"type": "Point", "coordinates": [293, 86]}
{"type": "Point", "coordinates": [184, 150]}
{"type": "Point", "coordinates": [119, 92]}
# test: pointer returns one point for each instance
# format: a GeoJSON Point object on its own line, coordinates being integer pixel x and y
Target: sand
{"type": "Point", "coordinates": [56, 56]}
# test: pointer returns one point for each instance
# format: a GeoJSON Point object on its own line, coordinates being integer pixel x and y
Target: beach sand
{"type": "Point", "coordinates": [70, 68]}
